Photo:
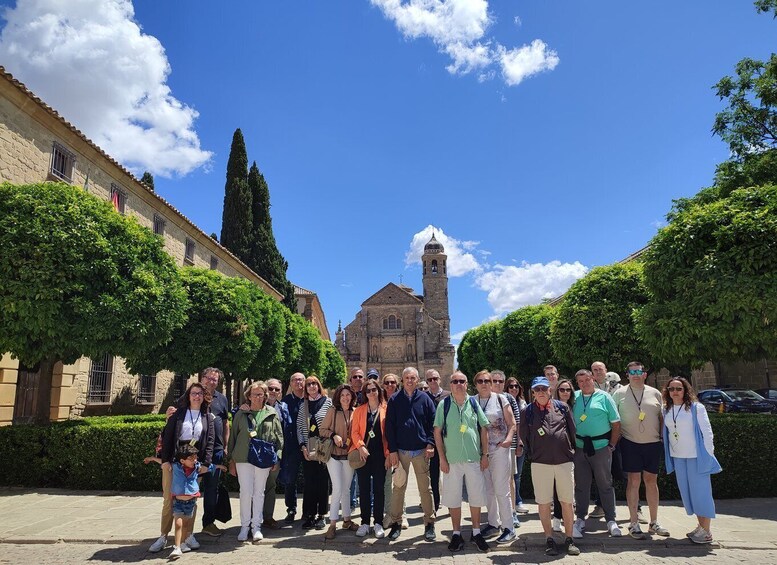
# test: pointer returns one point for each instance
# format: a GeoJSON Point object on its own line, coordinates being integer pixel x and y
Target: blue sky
{"type": "Point", "coordinates": [539, 138]}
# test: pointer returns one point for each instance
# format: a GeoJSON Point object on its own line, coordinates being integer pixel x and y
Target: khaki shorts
{"type": "Point", "coordinates": [543, 477]}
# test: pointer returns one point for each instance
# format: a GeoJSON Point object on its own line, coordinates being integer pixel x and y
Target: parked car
{"type": "Point", "coordinates": [770, 395]}
{"type": "Point", "coordinates": [735, 400]}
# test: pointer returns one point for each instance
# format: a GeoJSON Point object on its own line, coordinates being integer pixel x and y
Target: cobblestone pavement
{"type": "Point", "coordinates": [358, 553]}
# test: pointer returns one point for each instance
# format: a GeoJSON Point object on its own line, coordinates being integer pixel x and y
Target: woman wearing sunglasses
{"type": "Point", "coordinates": [690, 453]}
{"type": "Point", "coordinates": [514, 388]}
{"type": "Point", "coordinates": [368, 437]}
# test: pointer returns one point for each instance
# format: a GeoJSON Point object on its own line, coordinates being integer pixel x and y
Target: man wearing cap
{"type": "Point", "coordinates": [462, 443]}
{"type": "Point", "coordinates": [410, 435]}
{"type": "Point", "coordinates": [548, 429]}
{"type": "Point", "coordinates": [640, 408]}
{"type": "Point", "coordinates": [597, 433]}
{"type": "Point", "coordinates": [437, 394]}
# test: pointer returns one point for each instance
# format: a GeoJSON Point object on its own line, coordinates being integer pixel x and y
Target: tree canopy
{"type": "Point", "coordinates": [77, 278]}
{"type": "Point", "coordinates": [594, 322]}
{"type": "Point", "coordinates": [712, 278]}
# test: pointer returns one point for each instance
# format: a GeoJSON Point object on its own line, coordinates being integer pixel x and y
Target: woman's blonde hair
{"type": "Point", "coordinates": [252, 386]}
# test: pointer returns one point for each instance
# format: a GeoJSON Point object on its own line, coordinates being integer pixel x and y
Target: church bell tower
{"type": "Point", "coordinates": [435, 280]}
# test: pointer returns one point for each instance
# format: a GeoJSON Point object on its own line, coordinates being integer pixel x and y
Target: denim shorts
{"type": "Point", "coordinates": [184, 508]}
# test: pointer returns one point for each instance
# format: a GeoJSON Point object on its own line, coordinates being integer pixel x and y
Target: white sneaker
{"type": "Point", "coordinates": [614, 529]}
{"type": "Point", "coordinates": [578, 528]}
{"type": "Point", "coordinates": [185, 548]}
{"type": "Point", "coordinates": [176, 553]}
{"type": "Point", "coordinates": [405, 524]}
{"type": "Point", "coordinates": [557, 525]}
{"type": "Point", "coordinates": [257, 535]}
{"type": "Point", "coordinates": [243, 535]}
{"type": "Point", "coordinates": [160, 543]}
{"type": "Point", "coordinates": [521, 509]}
{"type": "Point", "coordinates": [192, 542]}
{"type": "Point", "coordinates": [378, 529]}
{"type": "Point", "coordinates": [363, 530]}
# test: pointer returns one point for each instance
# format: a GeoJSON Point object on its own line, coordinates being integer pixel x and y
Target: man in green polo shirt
{"type": "Point", "coordinates": [461, 438]}
{"type": "Point", "coordinates": [597, 433]}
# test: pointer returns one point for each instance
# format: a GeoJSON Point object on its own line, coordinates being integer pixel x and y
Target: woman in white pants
{"type": "Point", "coordinates": [337, 425]}
{"type": "Point", "coordinates": [501, 429]}
{"type": "Point", "coordinates": [259, 421]}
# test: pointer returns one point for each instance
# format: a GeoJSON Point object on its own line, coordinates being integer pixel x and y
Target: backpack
{"type": "Point", "coordinates": [446, 406]}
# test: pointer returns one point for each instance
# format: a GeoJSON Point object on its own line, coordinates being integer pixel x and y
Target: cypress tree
{"type": "Point", "coordinates": [236, 224]}
{"type": "Point", "coordinates": [266, 260]}
{"type": "Point", "coordinates": [148, 180]}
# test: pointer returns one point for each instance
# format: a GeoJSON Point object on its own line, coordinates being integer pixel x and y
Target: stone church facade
{"type": "Point", "coordinates": [396, 328]}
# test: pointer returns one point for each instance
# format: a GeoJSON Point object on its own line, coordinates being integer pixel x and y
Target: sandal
{"type": "Point", "coordinates": [350, 525]}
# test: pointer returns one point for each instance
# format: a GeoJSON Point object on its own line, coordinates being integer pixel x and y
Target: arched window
{"type": "Point", "coordinates": [399, 323]}
{"type": "Point", "coordinates": [444, 269]}
{"type": "Point", "coordinates": [434, 266]}
{"type": "Point", "coordinates": [392, 322]}
{"type": "Point", "coordinates": [385, 323]}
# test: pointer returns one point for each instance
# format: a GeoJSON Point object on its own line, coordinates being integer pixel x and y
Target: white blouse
{"type": "Point", "coordinates": [191, 426]}
{"type": "Point", "coordinates": [682, 438]}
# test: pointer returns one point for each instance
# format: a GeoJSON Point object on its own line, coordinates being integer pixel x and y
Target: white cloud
{"type": "Point", "coordinates": [510, 287]}
{"type": "Point", "coordinates": [458, 28]}
{"type": "Point", "coordinates": [460, 261]}
{"type": "Point", "coordinates": [522, 62]}
{"type": "Point", "coordinates": [90, 61]}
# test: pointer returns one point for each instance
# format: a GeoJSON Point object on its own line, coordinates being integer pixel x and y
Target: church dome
{"type": "Point", "coordinates": [433, 246]}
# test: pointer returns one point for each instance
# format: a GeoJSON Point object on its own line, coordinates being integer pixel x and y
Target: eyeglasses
{"type": "Point", "coordinates": [360, 377]}
{"type": "Point", "coordinates": [565, 389]}
{"type": "Point", "coordinates": [274, 389]}
{"type": "Point", "coordinates": [389, 383]}
{"type": "Point", "coordinates": [257, 395]}
{"type": "Point", "coordinates": [313, 384]}
{"type": "Point", "coordinates": [483, 381]}
{"type": "Point", "coordinates": [196, 393]}
{"type": "Point", "coordinates": [458, 382]}
{"type": "Point", "coordinates": [675, 388]}
{"type": "Point", "coordinates": [431, 379]}
{"type": "Point", "coordinates": [636, 372]}
{"type": "Point", "coordinates": [213, 379]}
{"type": "Point", "coordinates": [512, 386]}
{"type": "Point", "coordinates": [424, 388]}
{"type": "Point", "coordinates": [540, 389]}
{"type": "Point", "coordinates": [371, 390]}
{"type": "Point", "coordinates": [497, 382]}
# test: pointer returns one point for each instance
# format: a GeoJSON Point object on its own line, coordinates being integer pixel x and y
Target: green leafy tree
{"type": "Point", "coordinates": [333, 370]}
{"type": "Point", "coordinates": [479, 349]}
{"type": "Point", "coordinates": [523, 341]}
{"type": "Point", "coordinates": [76, 278]}
{"type": "Point", "coordinates": [236, 223]}
{"type": "Point", "coordinates": [148, 180]}
{"type": "Point", "coordinates": [232, 324]}
{"type": "Point", "coordinates": [595, 320]}
{"type": "Point", "coordinates": [265, 258]}
{"type": "Point", "coordinates": [712, 278]}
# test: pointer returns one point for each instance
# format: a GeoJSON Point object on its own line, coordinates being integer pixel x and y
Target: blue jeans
{"type": "Point", "coordinates": [290, 464]}
{"type": "Point", "coordinates": [517, 478]}
{"type": "Point", "coordinates": [209, 487]}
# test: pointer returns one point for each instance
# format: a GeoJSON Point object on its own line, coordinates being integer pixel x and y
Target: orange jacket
{"type": "Point", "coordinates": [359, 427]}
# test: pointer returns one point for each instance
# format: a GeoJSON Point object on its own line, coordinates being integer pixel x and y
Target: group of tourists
{"type": "Point", "coordinates": [364, 439]}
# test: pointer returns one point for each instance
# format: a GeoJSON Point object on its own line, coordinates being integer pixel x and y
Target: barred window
{"type": "Point", "coordinates": [159, 224]}
{"type": "Point", "coordinates": [62, 162]}
{"type": "Point", "coordinates": [188, 258]}
{"type": "Point", "coordinates": [214, 262]}
{"type": "Point", "coordinates": [147, 389]}
{"type": "Point", "coordinates": [179, 385]}
{"type": "Point", "coordinates": [100, 376]}
{"type": "Point", "coordinates": [119, 198]}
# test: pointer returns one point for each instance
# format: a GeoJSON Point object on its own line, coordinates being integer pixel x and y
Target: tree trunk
{"type": "Point", "coordinates": [43, 405]}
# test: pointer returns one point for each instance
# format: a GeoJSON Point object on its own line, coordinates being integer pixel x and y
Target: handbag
{"type": "Point", "coordinates": [261, 453]}
{"type": "Point", "coordinates": [223, 511]}
{"type": "Point", "coordinates": [319, 448]}
{"type": "Point", "coordinates": [355, 460]}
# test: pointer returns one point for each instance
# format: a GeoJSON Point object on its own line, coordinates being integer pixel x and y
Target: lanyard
{"type": "Point", "coordinates": [675, 414]}
{"type": "Point", "coordinates": [585, 404]}
{"type": "Point", "coordinates": [375, 415]}
{"type": "Point", "coordinates": [639, 402]}
{"type": "Point", "coordinates": [193, 420]}
{"type": "Point", "coordinates": [484, 406]}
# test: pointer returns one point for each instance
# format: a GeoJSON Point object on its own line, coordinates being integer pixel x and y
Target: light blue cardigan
{"type": "Point", "coordinates": [706, 464]}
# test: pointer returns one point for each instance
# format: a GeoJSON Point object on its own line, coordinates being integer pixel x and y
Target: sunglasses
{"type": "Point", "coordinates": [540, 389]}
{"type": "Point", "coordinates": [512, 386]}
{"type": "Point", "coordinates": [675, 388]}
{"type": "Point", "coordinates": [458, 382]}
{"type": "Point", "coordinates": [273, 389]}
{"type": "Point", "coordinates": [424, 388]}
{"type": "Point", "coordinates": [565, 389]}
{"type": "Point", "coordinates": [313, 384]}
{"type": "Point", "coordinates": [360, 377]}
{"type": "Point", "coordinates": [497, 382]}
{"type": "Point", "coordinates": [433, 379]}
{"type": "Point", "coordinates": [636, 372]}
{"type": "Point", "coordinates": [371, 390]}
{"type": "Point", "coordinates": [390, 383]}
{"type": "Point", "coordinates": [483, 381]}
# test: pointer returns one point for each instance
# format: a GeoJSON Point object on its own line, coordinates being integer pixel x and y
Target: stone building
{"type": "Point", "coordinates": [396, 328]}
{"type": "Point", "coordinates": [37, 144]}
{"type": "Point", "coordinates": [309, 307]}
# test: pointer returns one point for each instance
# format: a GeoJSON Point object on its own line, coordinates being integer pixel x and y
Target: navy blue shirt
{"type": "Point", "coordinates": [219, 409]}
{"type": "Point", "coordinates": [410, 421]}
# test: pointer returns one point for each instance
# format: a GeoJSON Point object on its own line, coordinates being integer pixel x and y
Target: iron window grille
{"type": "Point", "coordinates": [62, 162]}
{"type": "Point", "coordinates": [147, 389]}
{"type": "Point", "coordinates": [188, 257]}
{"type": "Point", "coordinates": [100, 375]}
{"type": "Point", "coordinates": [119, 198]}
{"type": "Point", "coordinates": [159, 224]}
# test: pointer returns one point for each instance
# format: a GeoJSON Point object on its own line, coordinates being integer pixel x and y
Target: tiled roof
{"type": "Point", "coordinates": [10, 78]}
{"type": "Point", "coordinates": [300, 290]}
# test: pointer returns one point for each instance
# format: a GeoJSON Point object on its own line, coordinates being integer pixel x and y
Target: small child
{"type": "Point", "coordinates": [185, 491]}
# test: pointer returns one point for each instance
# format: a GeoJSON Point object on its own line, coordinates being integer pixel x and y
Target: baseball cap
{"type": "Point", "coordinates": [540, 381]}
{"type": "Point", "coordinates": [373, 373]}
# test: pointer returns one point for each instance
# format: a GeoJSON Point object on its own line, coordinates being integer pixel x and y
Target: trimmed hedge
{"type": "Point", "coordinates": [106, 453]}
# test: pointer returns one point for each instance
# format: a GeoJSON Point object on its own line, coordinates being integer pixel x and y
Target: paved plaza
{"type": "Point", "coordinates": [51, 526]}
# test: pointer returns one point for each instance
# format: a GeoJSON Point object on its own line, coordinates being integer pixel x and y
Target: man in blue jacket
{"type": "Point", "coordinates": [410, 435]}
